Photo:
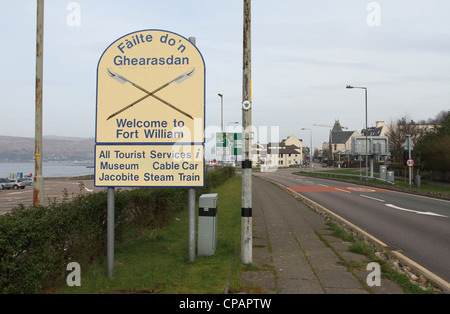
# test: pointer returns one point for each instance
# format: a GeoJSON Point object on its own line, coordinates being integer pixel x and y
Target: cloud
{"type": "Point", "coordinates": [303, 55]}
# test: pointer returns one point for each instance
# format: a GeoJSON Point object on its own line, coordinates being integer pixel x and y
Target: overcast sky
{"type": "Point", "coordinates": [304, 53]}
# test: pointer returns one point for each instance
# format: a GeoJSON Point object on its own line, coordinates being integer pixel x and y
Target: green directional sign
{"type": "Point", "coordinates": [229, 144]}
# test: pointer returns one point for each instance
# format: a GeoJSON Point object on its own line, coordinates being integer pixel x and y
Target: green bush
{"type": "Point", "coordinates": [37, 243]}
{"type": "Point", "coordinates": [151, 207]}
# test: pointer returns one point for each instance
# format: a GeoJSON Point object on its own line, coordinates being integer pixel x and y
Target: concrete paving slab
{"type": "Point", "coordinates": [290, 237]}
{"type": "Point", "coordinates": [263, 279]}
{"type": "Point", "coordinates": [345, 291]}
{"type": "Point", "coordinates": [299, 286]}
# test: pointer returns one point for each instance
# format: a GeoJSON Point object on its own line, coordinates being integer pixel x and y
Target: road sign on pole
{"type": "Point", "coordinates": [150, 112]}
{"type": "Point", "coordinates": [408, 145]}
{"type": "Point", "coordinates": [149, 118]}
{"type": "Point", "coordinates": [229, 144]}
{"type": "Point", "coordinates": [410, 162]}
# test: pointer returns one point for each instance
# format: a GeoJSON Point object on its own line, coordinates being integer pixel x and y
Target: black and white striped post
{"type": "Point", "coordinates": [246, 203]}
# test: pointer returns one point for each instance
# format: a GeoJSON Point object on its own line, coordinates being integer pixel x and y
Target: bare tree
{"type": "Point", "coordinates": [434, 147]}
{"type": "Point", "coordinates": [397, 132]}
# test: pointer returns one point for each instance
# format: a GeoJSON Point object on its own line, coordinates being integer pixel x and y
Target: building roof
{"type": "Point", "coordinates": [337, 136]}
{"type": "Point", "coordinates": [340, 137]}
{"type": "Point", "coordinates": [280, 148]}
{"type": "Point", "coordinates": [336, 127]}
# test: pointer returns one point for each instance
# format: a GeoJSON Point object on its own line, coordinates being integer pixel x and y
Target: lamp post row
{"type": "Point", "coordinates": [367, 146]}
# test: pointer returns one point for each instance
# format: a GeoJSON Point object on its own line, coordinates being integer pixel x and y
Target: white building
{"type": "Point", "coordinates": [289, 152]}
{"type": "Point", "coordinates": [339, 145]}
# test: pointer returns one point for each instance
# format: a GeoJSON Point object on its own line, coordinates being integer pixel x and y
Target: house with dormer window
{"type": "Point", "coordinates": [338, 148]}
{"type": "Point", "coordinates": [287, 153]}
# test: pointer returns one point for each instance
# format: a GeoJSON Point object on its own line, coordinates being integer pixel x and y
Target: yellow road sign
{"type": "Point", "coordinates": [150, 89]}
{"type": "Point", "coordinates": [149, 165]}
{"type": "Point", "coordinates": [150, 105]}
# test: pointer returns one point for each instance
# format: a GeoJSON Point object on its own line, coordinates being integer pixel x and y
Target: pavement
{"type": "Point", "coordinates": [295, 254]}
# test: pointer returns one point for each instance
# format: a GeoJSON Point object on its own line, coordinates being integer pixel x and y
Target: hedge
{"type": "Point", "coordinates": [37, 243]}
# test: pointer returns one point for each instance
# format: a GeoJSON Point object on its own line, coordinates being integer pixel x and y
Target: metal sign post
{"type": "Point", "coordinates": [191, 209]}
{"type": "Point", "coordinates": [38, 186]}
{"type": "Point", "coordinates": [110, 231]}
{"type": "Point", "coordinates": [409, 146]}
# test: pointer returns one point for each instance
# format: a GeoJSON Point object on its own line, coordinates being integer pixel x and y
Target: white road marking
{"type": "Point", "coordinates": [342, 190]}
{"type": "Point", "coordinates": [415, 211]}
{"type": "Point", "coordinates": [360, 189]}
{"type": "Point", "coordinates": [372, 198]}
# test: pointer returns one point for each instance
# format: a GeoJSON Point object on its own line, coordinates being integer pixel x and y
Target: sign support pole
{"type": "Point", "coordinates": [38, 186]}
{"type": "Point", "coordinates": [110, 231]}
{"type": "Point", "coordinates": [246, 204]}
{"type": "Point", "coordinates": [191, 208]}
{"type": "Point", "coordinates": [408, 140]}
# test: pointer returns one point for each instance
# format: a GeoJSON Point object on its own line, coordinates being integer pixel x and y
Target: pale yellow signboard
{"type": "Point", "coordinates": [150, 97]}
{"type": "Point", "coordinates": [149, 165]}
{"type": "Point", "coordinates": [150, 89]}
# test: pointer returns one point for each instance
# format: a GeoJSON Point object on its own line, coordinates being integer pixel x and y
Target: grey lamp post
{"type": "Point", "coordinates": [310, 146]}
{"type": "Point", "coordinates": [221, 111]}
{"type": "Point", "coordinates": [221, 124]}
{"type": "Point", "coordinates": [367, 146]}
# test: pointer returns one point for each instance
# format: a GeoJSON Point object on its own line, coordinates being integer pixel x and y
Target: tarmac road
{"type": "Point", "coordinates": [417, 227]}
{"type": "Point", "coordinates": [296, 254]}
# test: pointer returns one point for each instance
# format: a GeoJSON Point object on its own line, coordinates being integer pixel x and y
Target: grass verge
{"type": "Point", "coordinates": [400, 184]}
{"type": "Point", "coordinates": [367, 250]}
{"type": "Point", "coordinates": [158, 262]}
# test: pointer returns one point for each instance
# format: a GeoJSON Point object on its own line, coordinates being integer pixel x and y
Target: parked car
{"type": "Point", "coordinates": [14, 184]}
{"type": "Point", "coordinates": [27, 181]}
{"type": "Point", "coordinates": [2, 183]}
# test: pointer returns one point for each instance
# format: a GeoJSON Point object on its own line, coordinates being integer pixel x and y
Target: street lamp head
{"type": "Point", "coordinates": [350, 86]}
{"type": "Point", "coordinates": [221, 95]}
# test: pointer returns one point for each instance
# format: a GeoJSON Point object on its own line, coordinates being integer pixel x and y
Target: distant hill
{"type": "Point", "coordinates": [54, 148]}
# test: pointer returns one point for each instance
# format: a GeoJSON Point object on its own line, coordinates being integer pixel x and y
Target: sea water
{"type": "Point", "coordinates": [49, 169]}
